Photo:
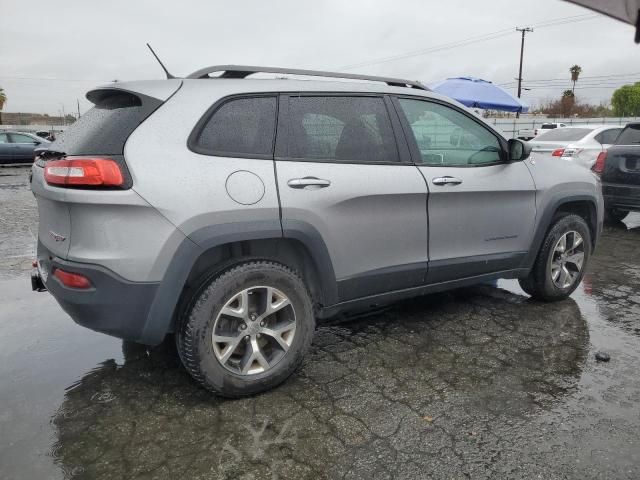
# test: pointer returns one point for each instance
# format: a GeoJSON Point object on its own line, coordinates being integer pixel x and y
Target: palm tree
{"type": "Point", "coordinates": [3, 100]}
{"type": "Point", "coordinates": [576, 70]}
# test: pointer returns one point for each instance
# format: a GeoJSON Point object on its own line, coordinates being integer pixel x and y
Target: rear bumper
{"type": "Point", "coordinates": [625, 197]}
{"type": "Point", "coordinates": [112, 305]}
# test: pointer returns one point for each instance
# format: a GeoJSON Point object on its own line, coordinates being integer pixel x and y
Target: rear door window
{"type": "Point", "coordinates": [239, 127]}
{"type": "Point", "coordinates": [4, 138]}
{"type": "Point", "coordinates": [340, 129]}
{"type": "Point", "coordinates": [19, 138]}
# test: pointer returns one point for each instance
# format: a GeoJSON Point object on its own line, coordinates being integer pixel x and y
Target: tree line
{"type": "Point", "coordinates": [625, 102]}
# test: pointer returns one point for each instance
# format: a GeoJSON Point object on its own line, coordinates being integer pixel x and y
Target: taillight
{"type": "Point", "coordinates": [84, 172]}
{"type": "Point", "coordinates": [557, 152]}
{"type": "Point", "coordinates": [598, 167]}
{"type": "Point", "coordinates": [72, 280]}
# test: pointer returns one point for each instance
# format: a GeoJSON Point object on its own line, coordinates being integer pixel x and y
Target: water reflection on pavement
{"type": "Point", "coordinates": [480, 382]}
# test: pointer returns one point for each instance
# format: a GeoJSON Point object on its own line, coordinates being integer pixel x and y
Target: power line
{"type": "Point", "coordinates": [475, 39]}
{"type": "Point", "coordinates": [445, 46]}
{"type": "Point", "coordinates": [591, 78]}
{"type": "Point", "coordinates": [51, 79]}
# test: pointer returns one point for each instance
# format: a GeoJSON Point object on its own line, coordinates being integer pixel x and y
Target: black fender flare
{"type": "Point", "coordinates": [546, 218]}
{"type": "Point", "coordinates": [161, 312]}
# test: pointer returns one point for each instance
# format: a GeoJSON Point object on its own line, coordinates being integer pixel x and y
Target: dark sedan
{"type": "Point", "coordinates": [18, 147]}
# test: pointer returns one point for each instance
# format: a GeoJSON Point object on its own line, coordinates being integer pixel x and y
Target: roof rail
{"type": "Point", "coordinates": [242, 71]}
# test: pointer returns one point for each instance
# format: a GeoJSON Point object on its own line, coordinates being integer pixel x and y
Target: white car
{"type": "Point", "coordinates": [529, 133]}
{"type": "Point", "coordinates": [578, 144]}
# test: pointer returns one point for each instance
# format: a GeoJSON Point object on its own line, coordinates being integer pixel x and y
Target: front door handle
{"type": "Point", "coordinates": [310, 183]}
{"type": "Point", "coordinates": [446, 180]}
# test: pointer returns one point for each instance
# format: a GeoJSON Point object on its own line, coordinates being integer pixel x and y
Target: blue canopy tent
{"type": "Point", "coordinates": [478, 93]}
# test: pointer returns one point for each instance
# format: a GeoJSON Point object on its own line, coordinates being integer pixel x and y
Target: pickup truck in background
{"type": "Point", "coordinates": [529, 133]}
{"type": "Point", "coordinates": [619, 169]}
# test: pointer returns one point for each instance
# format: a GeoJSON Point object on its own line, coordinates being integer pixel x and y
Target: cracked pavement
{"type": "Point", "coordinates": [476, 383]}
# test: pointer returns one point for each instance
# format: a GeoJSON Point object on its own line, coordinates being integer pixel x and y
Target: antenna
{"type": "Point", "coordinates": [169, 76]}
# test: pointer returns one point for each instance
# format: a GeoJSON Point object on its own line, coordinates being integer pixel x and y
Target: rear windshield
{"type": "Point", "coordinates": [630, 135]}
{"type": "Point", "coordinates": [565, 134]}
{"type": "Point", "coordinates": [104, 129]}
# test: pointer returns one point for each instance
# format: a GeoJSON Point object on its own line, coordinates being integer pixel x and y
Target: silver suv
{"type": "Point", "coordinates": [234, 212]}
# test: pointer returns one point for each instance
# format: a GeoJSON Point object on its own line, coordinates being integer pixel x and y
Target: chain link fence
{"type": "Point", "coordinates": [511, 126]}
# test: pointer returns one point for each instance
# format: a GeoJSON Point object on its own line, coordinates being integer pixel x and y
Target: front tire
{"type": "Point", "coordinates": [247, 330]}
{"type": "Point", "coordinates": [561, 261]}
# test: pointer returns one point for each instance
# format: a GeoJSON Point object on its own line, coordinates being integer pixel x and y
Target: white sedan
{"type": "Point", "coordinates": [578, 144]}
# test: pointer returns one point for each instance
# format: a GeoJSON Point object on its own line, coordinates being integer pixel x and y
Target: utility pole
{"type": "Point", "coordinates": [524, 31]}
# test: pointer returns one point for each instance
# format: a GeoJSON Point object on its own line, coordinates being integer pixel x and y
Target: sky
{"type": "Point", "coordinates": [51, 53]}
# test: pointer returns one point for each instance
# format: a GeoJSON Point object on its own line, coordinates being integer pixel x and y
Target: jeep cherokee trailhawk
{"type": "Point", "coordinates": [236, 211]}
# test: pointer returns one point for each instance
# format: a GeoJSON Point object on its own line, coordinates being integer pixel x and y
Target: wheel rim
{"type": "Point", "coordinates": [254, 330]}
{"type": "Point", "coordinates": [567, 260]}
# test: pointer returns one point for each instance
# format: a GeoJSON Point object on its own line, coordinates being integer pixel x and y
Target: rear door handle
{"type": "Point", "coordinates": [446, 180]}
{"type": "Point", "coordinates": [310, 183]}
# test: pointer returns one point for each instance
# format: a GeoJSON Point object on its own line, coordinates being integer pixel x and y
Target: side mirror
{"type": "Point", "coordinates": [518, 150]}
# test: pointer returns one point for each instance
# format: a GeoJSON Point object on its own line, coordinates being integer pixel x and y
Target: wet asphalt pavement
{"type": "Point", "coordinates": [477, 383]}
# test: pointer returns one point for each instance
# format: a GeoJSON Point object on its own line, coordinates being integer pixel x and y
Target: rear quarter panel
{"type": "Point", "coordinates": [187, 188]}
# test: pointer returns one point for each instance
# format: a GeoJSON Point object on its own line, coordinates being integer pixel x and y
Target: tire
{"type": "Point", "coordinates": [614, 215]}
{"type": "Point", "coordinates": [549, 283]}
{"type": "Point", "coordinates": [246, 293]}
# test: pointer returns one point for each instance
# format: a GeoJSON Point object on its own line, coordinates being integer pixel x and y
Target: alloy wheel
{"type": "Point", "coordinates": [254, 330]}
{"type": "Point", "coordinates": [567, 259]}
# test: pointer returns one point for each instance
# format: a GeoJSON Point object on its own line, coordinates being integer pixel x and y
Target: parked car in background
{"type": "Point", "coordinates": [619, 168]}
{"type": "Point", "coordinates": [581, 145]}
{"type": "Point", "coordinates": [18, 147]}
{"type": "Point", "coordinates": [529, 133]}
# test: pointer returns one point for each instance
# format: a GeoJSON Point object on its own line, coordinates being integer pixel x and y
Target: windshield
{"type": "Point", "coordinates": [564, 134]}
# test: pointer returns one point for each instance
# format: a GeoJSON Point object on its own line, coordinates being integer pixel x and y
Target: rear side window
{"type": "Point", "coordinates": [104, 129]}
{"type": "Point", "coordinates": [18, 138]}
{"type": "Point", "coordinates": [608, 137]}
{"type": "Point", "coordinates": [630, 135]}
{"type": "Point", "coordinates": [340, 129]}
{"type": "Point", "coordinates": [565, 134]}
{"type": "Point", "coordinates": [239, 127]}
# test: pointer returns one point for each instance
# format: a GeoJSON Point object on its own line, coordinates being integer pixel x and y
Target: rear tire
{"type": "Point", "coordinates": [561, 261]}
{"type": "Point", "coordinates": [247, 330]}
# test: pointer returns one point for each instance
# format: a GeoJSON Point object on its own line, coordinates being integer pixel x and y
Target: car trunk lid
{"type": "Point", "coordinates": [622, 165]}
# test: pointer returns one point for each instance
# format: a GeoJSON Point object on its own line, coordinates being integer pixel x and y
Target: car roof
{"type": "Point", "coordinates": [160, 88]}
{"type": "Point", "coordinates": [590, 127]}
{"type": "Point", "coordinates": [223, 87]}
{"type": "Point", "coordinates": [17, 131]}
